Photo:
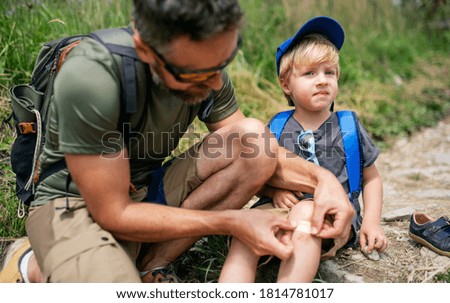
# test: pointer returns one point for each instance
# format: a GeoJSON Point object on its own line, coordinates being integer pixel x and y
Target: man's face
{"type": "Point", "coordinates": [192, 69]}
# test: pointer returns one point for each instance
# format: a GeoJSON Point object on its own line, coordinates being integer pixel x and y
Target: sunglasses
{"type": "Point", "coordinates": [307, 143]}
{"type": "Point", "coordinates": [184, 75]}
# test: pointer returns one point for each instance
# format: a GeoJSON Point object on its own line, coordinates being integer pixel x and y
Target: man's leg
{"type": "Point", "coordinates": [231, 166]}
{"type": "Point", "coordinates": [71, 247]}
{"type": "Point", "coordinates": [34, 273]}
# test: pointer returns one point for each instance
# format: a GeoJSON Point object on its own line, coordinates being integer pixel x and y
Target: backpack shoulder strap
{"type": "Point", "coordinates": [118, 42]}
{"type": "Point", "coordinates": [129, 57]}
{"type": "Point", "coordinates": [277, 123]}
{"type": "Point", "coordinates": [348, 123]}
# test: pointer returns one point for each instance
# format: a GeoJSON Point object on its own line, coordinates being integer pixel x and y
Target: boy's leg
{"type": "Point", "coordinates": [224, 172]}
{"type": "Point", "coordinates": [240, 264]}
{"type": "Point", "coordinates": [303, 264]}
{"type": "Point", "coordinates": [71, 247]}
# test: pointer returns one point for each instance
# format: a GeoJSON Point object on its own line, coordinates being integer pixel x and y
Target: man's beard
{"type": "Point", "coordinates": [187, 97]}
{"type": "Point", "coordinates": [191, 98]}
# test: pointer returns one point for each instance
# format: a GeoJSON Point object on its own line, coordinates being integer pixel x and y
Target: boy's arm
{"type": "Point", "coordinates": [371, 234]}
{"type": "Point", "coordinates": [372, 195]}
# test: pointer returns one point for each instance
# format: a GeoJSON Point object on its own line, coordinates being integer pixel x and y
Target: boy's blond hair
{"type": "Point", "coordinates": [312, 49]}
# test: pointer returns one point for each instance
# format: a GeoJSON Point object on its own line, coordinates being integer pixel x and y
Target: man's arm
{"type": "Point", "coordinates": [236, 116]}
{"type": "Point", "coordinates": [297, 174]}
{"type": "Point", "coordinates": [104, 183]}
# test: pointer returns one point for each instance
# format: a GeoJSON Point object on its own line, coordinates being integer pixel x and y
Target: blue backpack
{"type": "Point", "coordinates": [348, 123]}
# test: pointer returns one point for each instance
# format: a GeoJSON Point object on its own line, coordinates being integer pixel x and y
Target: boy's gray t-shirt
{"type": "Point", "coordinates": [329, 146]}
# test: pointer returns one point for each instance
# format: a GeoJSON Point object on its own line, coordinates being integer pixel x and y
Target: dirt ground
{"type": "Point", "coordinates": [416, 177]}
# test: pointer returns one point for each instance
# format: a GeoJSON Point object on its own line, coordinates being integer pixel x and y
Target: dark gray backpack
{"type": "Point", "coordinates": [30, 103]}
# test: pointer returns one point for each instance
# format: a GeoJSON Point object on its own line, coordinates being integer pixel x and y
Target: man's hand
{"type": "Point", "coordinates": [330, 199]}
{"type": "Point", "coordinates": [258, 230]}
{"type": "Point", "coordinates": [296, 174]}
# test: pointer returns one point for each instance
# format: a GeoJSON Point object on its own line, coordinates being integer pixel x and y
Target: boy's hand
{"type": "Point", "coordinates": [372, 236]}
{"type": "Point", "coordinates": [284, 198]}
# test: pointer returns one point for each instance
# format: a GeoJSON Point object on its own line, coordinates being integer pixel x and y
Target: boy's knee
{"type": "Point", "coordinates": [302, 211]}
{"type": "Point", "coordinates": [301, 214]}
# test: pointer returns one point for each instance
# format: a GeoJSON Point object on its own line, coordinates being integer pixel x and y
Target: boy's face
{"type": "Point", "coordinates": [312, 87]}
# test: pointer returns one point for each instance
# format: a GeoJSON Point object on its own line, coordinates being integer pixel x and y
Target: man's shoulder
{"type": "Point", "coordinates": [94, 46]}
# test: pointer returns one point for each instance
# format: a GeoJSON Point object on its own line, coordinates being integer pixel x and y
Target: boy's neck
{"type": "Point", "coordinates": [311, 120]}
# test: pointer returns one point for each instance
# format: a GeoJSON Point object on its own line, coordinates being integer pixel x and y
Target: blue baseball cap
{"type": "Point", "coordinates": [323, 25]}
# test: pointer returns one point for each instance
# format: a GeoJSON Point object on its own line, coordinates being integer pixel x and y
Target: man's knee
{"type": "Point", "coordinates": [257, 148]}
{"type": "Point", "coordinates": [256, 139]}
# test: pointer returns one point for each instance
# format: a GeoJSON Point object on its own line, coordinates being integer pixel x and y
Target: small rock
{"type": "Point", "coordinates": [330, 272]}
{"type": "Point", "coordinates": [373, 255]}
{"type": "Point", "coordinates": [400, 214]}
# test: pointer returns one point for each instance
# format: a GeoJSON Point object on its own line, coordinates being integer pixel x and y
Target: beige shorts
{"type": "Point", "coordinates": [181, 177]}
{"type": "Point", "coordinates": [71, 247]}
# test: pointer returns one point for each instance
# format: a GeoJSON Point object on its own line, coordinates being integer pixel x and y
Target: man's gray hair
{"type": "Point", "coordinates": [160, 21]}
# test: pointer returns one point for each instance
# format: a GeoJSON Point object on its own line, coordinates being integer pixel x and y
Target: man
{"type": "Point", "coordinates": [95, 234]}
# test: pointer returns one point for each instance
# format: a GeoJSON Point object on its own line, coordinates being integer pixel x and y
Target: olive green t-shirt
{"type": "Point", "coordinates": [84, 117]}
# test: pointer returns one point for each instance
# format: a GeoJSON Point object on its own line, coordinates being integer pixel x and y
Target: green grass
{"type": "Point", "coordinates": [393, 61]}
{"type": "Point", "coordinates": [445, 277]}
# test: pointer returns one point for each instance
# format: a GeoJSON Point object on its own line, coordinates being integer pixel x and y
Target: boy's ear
{"type": "Point", "coordinates": [285, 86]}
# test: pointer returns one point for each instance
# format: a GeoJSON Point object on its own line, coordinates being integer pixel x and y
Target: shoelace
{"type": "Point", "coordinates": [167, 275]}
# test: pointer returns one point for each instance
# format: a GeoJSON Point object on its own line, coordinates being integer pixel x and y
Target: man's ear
{"type": "Point", "coordinates": [142, 49]}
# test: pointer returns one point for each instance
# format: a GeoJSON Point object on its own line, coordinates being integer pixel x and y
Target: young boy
{"type": "Point", "coordinates": [308, 69]}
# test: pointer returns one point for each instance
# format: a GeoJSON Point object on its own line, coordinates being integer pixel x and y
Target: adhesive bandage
{"type": "Point", "coordinates": [304, 226]}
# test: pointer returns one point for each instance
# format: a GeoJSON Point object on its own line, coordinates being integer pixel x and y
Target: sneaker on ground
{"type": "Point", "coordinates": [161, 275]}
{"type": "Point", "coordinates": [10, 272]}
{"type": "Point", "coordinates": [430, 232]}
